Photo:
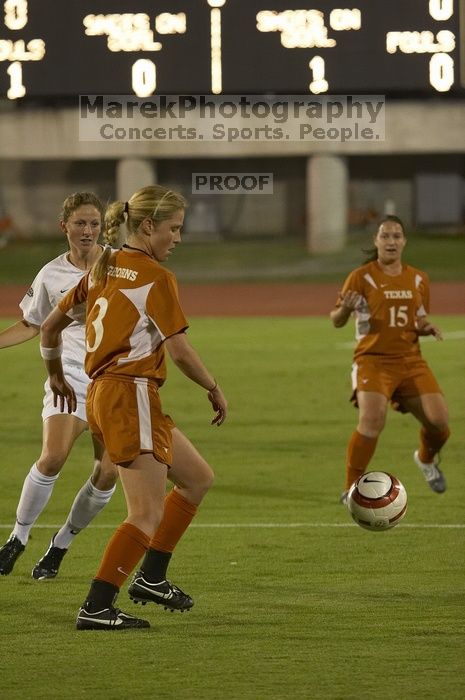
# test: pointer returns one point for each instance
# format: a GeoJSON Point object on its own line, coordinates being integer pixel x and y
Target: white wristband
{"type": "Point", "coordinates": [51, 353]}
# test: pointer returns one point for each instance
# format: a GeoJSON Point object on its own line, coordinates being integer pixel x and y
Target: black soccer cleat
{"type": "Point", "coordinates": [162, 593]}
{"type": "Point", "coordinates": [48, 566]}
{"type": "Point", "coordinates": [108, 619]}
{"type": "Point", "coordinates": [9, 553]}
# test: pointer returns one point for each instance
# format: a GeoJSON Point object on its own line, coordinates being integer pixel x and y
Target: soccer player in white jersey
{"type": "Point", "coordinates": [81, 222]}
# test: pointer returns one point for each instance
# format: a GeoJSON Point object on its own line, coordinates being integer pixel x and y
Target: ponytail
{"type": "Point", "coordinates": [114, 217]}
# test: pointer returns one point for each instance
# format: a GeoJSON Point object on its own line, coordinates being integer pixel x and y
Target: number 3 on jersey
{"type": "Point", "coordinates": [102, 303]}
{"type": "Point", "coordinates": [398, 316]}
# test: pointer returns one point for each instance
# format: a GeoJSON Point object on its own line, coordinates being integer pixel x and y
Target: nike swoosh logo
{"type": "Point", "coordinates": [159, 594]}
{"type": "Point", "coordinates": [383, 285]}
{"type": "Point", "coordinates": [372, 481]}
{"type": "Point", "coordinates": [121, 571]}
{"type": "Point", "coordinates": [63, 291]}
{"type": "Point", "coordinates": [105, 623]}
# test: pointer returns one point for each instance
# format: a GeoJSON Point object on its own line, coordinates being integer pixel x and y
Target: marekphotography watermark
{"type": "Point", "coordinates": [232, 183]}
{"type": "Point", "coordinates": [231, 118]}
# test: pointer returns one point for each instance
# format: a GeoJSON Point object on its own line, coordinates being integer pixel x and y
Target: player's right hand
{"type": "Point", "coordinates": [63, 393]}
{"type": "Point", "coordinates": [350, 300]}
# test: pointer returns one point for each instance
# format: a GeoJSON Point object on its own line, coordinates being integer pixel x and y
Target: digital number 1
{"type": "Point", "coordinates": [16, 89]}
{"type": "Point", "coordinates": [318, 84]}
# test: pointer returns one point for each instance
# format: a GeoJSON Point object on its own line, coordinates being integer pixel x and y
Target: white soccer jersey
{"type": "Point", "coordinates": [51, 284]}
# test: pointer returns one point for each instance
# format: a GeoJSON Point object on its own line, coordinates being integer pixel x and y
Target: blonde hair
{"type": "Point", "coordinates": [79, 199]}
{"type": "Point", "coordinates": [153, 202]}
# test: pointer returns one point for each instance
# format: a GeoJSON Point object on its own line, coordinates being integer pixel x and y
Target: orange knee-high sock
{"type": "Point", "coordinates": [359, 452]}
{"type": "Point", "coordinates": [431, 442]}
{"type": "Point", "coordinates": [177, 516]}
{"type": "Point", "coordinates": [123, 551]}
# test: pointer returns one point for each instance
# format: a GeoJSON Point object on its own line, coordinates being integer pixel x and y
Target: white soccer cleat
{"type": "Point", "coordinates": [432, 473]}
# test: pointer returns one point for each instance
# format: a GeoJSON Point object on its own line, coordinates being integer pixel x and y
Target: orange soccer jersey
{"type": "Point", "coordinates": [386, 319]}
{"type": "Point", "coordinates": [129, 316]}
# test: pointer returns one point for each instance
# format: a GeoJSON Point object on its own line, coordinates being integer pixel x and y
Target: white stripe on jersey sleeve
{"type": "Point", "coordinates": [370, 280]}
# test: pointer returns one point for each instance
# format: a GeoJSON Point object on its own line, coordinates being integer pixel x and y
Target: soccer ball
{"type": "Point", "coordinates": [377, 501]}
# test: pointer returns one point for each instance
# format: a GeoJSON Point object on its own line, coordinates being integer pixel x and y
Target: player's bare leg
{"type": "Point", "coordinates": [192, 477]}
{"type": "Point", "coordinates": [372, 409]}
{"type": "Point", "coordinates": [431, 411]}
{"type": "Point", "coordinates": [143, 482]}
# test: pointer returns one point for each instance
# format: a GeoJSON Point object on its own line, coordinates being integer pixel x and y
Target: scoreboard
{"type": "Point", "coordinates": [63, 48]}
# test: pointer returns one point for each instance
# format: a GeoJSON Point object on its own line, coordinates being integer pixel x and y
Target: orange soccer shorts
{"type": "Point", "coordinates": [395, 378]}
{"type": "Point", "coordinates": [125, 414]}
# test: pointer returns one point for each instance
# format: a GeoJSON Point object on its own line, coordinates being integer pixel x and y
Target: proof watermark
{"type": "Point", "coordinates": [232, 183]}
{"type": "Point", "coordinates": [337, 118]}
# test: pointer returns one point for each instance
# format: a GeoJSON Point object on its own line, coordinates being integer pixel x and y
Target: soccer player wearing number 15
{"type": "Point", "coordinates": [391, 300]}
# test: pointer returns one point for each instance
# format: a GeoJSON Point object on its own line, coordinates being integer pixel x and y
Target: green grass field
{"type": "Point", "coordinates": [291, 599]}
{"type": "Point", "coordinates": [284, 259]}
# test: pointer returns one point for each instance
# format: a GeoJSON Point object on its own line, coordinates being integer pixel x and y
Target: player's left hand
{"type": "Point", "coordinates": [220, 405]}
{"type": "Point", "coordinates": [430, 329]}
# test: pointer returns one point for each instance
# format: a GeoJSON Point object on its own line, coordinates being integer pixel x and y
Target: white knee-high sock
{"type": "Point", "coordinates": [87, 504]}
{"type": "Point", "coordinates": [37, 489]}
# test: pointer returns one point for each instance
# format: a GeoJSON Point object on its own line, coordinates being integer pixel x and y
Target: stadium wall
{"type": "Point", "coordinates": [42, 160]}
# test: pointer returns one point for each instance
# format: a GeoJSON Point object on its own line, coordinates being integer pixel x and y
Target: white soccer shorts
{"type": "Point", "coordinates": [79, 381]}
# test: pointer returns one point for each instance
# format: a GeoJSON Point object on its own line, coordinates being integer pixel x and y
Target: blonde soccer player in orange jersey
{"type": "Point", "coordinates": [133, 313]}
{"type": "Point", "coordinates": [391, 301]}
